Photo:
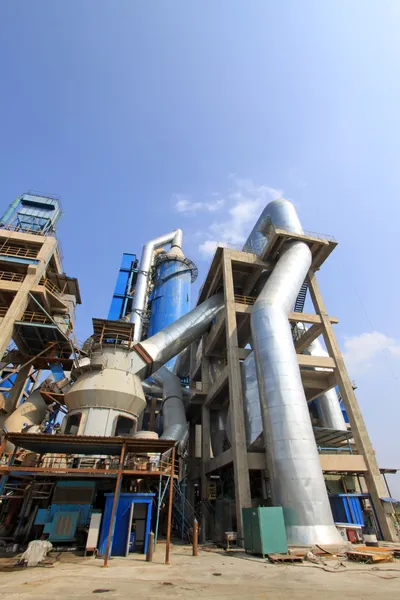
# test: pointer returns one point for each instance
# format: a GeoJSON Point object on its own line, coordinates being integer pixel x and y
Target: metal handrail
{"type": "Point", "coordinates": [22, 229]}
{"type": "Point", "coordinates": [249, 300]}
{"type": "Point", "coordinates": [9, 276]}
{"type": "Point", "coordinates": [10, 250]}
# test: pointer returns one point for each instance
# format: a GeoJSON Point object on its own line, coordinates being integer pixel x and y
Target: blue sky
{"type": "Point", "coordinates": [147, 116]}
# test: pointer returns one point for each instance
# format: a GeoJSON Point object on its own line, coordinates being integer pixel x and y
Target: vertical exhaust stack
{"type": "Point", "coordinates": [140, 297]}
{"type": "Point", "coordinates": [296, 476]}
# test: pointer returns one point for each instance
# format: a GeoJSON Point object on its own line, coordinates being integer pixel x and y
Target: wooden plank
{"type": "Point", "coordinates": [285, 558]}
{"type": "Point", "coordinates": [370, 557]}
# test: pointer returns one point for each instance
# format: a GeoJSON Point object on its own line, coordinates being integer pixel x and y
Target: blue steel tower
{"type": "Point", "coordinates": [170, 296]}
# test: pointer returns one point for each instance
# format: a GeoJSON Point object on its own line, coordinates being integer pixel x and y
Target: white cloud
{"type": "Point", "coordinates": [361, 351]}
{"type": "Point", "coordinates": [208, 247]}
{"type": "Point", "coordinates": [183, 204]}
{"type": "Point", "coordinates": [243, 204]}
{"type": "Point", "coordinates": [245, 201]}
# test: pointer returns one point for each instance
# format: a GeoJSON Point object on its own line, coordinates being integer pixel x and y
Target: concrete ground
{"type": "Point", "coordinates": [211, 575]}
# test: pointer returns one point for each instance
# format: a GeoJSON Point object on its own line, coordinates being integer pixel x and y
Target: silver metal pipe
{"type": "Point", "coordinates": [329, 410]}
{"type": "Point", "coordinates": [252, 411]}
{"type": "Point", "coordinates": [168, 342]}
{"type": "Point", "coordinates": [296, 477]}
{"type": "Point", "coordinates": [142, 282]}
{"type": "Point", "coordinates": [174, 418]}
{"type": "Point", "coordinates": [280, 213]}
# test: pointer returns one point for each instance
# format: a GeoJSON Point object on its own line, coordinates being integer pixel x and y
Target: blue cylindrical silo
{"type": "Point", "coordinates": [170, 297]}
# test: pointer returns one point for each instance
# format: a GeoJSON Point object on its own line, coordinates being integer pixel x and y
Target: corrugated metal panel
{"type": "Point", "coordinates": [347, 509]}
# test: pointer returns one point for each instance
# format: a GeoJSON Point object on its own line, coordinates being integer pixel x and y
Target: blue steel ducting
{"type": "Point", "coordinates": [126, 280]}
{"type": "Point", "coordinates": [170, 297]}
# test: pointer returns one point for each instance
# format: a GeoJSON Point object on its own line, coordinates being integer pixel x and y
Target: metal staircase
{"type": "Point", "coordinates": [301, 298]}
{"type": "Point", "coordinates": [183, 513]}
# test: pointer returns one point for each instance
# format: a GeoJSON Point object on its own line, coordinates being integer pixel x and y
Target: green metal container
{"type": "Point", "coordinates": [264, 530]}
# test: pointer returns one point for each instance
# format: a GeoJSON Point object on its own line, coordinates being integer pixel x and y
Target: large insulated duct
{"type": "Point", "coordinates": [328, 405]}
{"type": "Point", "coordinates": [169, 342]}
{"type": "Point", "coordinates": [295, 470]}
{"type": "Point", "coordinates": [139, 299]}
{"type": "Point", "coordinates": [174, 417]}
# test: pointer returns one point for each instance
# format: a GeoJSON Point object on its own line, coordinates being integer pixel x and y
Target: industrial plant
{"type": "Point", "coordinates": [234, 412]}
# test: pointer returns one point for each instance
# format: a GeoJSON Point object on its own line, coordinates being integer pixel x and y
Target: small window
{"type": "Point", "coordinates": [73, 423]}
{"type": "Point", "coordinates": [124, 426]}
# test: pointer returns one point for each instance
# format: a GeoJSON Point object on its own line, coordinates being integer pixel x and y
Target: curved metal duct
{"type": "Point", "coordinates": [30, 412]}
{"type": "Point", "coordinates": [167, 343]}
{"type": "Point", "coordinates": [142, 282]}
{"type": "Point", "coordinates": [280, 213]}
{"type": "Point", "coordinates": [296, 476]}
{"type": "Point", "coordinates": [174, 417]}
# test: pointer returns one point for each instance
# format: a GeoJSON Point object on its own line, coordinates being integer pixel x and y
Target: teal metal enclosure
{"type": "Point", "coordinates": [264, 530]}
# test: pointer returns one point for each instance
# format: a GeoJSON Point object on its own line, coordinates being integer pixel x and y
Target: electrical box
{"type": "Point", "coordinates": [264, 530]}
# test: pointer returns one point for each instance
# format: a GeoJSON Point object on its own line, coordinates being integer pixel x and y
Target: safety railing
{"type": "Point", "coordinates": [249, 300]}
{"type": "Point", "coordinates": [143, 463]}
{"type": "Point", "coordinates": [49, 285]}
{"type": "Point", "coordinates": [26, 229]}
{"type": "Point", "coordinates": [18, 251]}
{"type": "Point", "coordinates": [9, 276]}
{"type": "Point", "coordinates": [34, 317]}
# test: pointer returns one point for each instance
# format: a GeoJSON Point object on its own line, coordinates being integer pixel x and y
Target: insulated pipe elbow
{"type": "Point", "coordinates": [139, 298]}
{"type": "Point", "coordinates": [168, 342]}
{"type": "Point", "coordinates": [173, 411]}
{"type": "Point", "coordinates": [297, 481]}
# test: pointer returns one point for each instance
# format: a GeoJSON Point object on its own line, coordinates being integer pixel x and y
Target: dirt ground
{"type": "Point", "coordinates": [211, 575]}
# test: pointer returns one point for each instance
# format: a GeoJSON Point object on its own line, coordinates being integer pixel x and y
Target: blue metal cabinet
{"type": "Point", "coordinates": [264, 530]}
{"type": "Point", "coordinates": [122, 529]}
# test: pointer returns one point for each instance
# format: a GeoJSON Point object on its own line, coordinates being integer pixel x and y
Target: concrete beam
{"type": "Point", "coordinates": [256, 461]}
{"type": "Point", "coordinates": [343, 463]}
{"type": "Point", "coordinates": [217, 387]}
{"type": "Point", "coordinates": [296, 317]}
{"type": "Point", "coordinates": [308, 337]}
{"type": "Point", "coordinates": [323, 362]}
{"type": "Point", "coordinates": [214, 334]}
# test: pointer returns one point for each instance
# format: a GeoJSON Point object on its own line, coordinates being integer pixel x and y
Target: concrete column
{"type": "Point", "coordinates": [239, 446]}
{"type": "Point", "coordinates": [21, 298]}
{"type": "Point", "coordinates": [205, 457]}
{"type": "Point", "coordinates": [373, 477]}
